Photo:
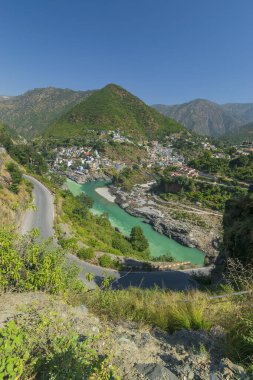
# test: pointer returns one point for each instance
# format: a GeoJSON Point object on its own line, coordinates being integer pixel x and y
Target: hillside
{"type": "Point", "coordinates": [31, 113]}
{"type": "Point", "coordinates": [202, 116]}
{"type": "Point", "coordinates": [113, 108]}
{"type": "Point", "coordinates": [245, 133]}
{"type": "Point", "coordinates": [14, 195]}
{"type": "Point", "coordinates": [243, 111]}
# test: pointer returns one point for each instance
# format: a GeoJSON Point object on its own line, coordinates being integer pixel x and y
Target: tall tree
{"type": "Point", "coordinates": [138, 240]}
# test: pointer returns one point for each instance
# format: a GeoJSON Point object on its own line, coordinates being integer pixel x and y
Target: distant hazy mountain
{"type": "Point", "coordinates": [31, 113]}
{"type": "Point", "coordinates": [112, 108]}
{"type": "Point", "coordinates": [245, 133]}
{"type": "Point", "coordinates": [204, 117]}
{"type": "Point", "coordinates": [243, 111]}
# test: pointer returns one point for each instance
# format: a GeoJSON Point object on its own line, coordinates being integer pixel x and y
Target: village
{"type": "Point", "coordinates": [85, 163]}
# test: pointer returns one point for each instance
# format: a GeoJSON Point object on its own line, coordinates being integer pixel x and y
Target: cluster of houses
{"type": "Point", "coordinates": [246, 148]}
{"type": "Point", "coordinates": [115, 136]}
{"type": "Point", "coordinates": [80, 159]}
{"type": "Point", "coordinates": [81, 163]}
{"type": "Point", "coordinates": [186, 171]}
{"type": "Point", "coordinates": [162, 155]}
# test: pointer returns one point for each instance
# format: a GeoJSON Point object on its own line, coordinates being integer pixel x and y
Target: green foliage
{"type": "Point", "coordinates": [242, 168]}
{"type": "Point", "coordinates": [86, 253]}
{"type": "Point", "coordinates": [238, 229]}
{"type": "Point", "coordinates": [27, 155]}
{"type": "Point", "coordinates": [113, 108]}
{"type": "Point", "coordinates": [16, 176]}
{"type": "Point", "coordinates": [27, 265]}
{"type": "Point", "coordinates": [57, 179]}
{"type": "Point", "coordinates": [120, 243]}
{"type": "Point", "coordinates": [138, 240]}
{"type": "Point", "coordinates": [106, 261]}
{"type": "Point", "coordinates": [210, 195]}
{"type": "Point", "coordinates": [13, 351]}
{"type": "Point", "coordinates": [43, 345]}
{"type": "Point", "coordinates": [155, 307]}
{"type": "Point", "coordinates": [85, 200]}
{"type": "Point", "coordinates": [164, 258]}
{"type": "Point", "coordinates": [128, 177]}
{"type": "Point", "coordinates": [70, 245]}
{"type": "Point", "coordinates": [5, 137]}
{"type": "Point", "coordinates": [94, 230]}
{"type": "Point", "coordinates": [208, 164]}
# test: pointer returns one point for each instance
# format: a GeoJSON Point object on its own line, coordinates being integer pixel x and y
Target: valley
{"type": "Point", "coordinates": [138, 209]}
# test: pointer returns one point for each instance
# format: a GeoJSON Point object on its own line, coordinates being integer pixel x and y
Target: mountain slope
{"type": "Point", "coordinates": [12, 203]}
{"type": "Point", "coordinates": [113, 108]}
{"type": "Point", "coordinates": [202, 116]}
{"type": "Point", "coordinates": [244, 133]}
{"type": "Point", "coordinates": [243, 111]}
{"type": "Point", "coordinates": [31, 113]}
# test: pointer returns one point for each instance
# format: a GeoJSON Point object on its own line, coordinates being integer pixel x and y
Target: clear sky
{"type": "Point", "coordinates": [164, 51]}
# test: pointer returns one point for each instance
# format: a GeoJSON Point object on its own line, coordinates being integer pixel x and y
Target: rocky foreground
{"type": "Point", "coordinates": [137, 351]}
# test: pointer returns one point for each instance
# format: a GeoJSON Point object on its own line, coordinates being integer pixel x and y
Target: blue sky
{"type": "Point", "coordinates": [164, 51]}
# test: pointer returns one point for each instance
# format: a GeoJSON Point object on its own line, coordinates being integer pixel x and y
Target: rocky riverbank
{"type": "Point", "coordinates": [189, 226]}
{"type": "Point", "coordinates": [89, 177]}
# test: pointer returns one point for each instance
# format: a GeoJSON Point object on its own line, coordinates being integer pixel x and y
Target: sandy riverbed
{"type": "Point", "coordinates": [104, 192]}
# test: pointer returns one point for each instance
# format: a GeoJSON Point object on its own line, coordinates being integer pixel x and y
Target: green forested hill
{"type": "Point", "coordinates": [31, 113]}
{"type": "Point", "coordinates": [113, 108]}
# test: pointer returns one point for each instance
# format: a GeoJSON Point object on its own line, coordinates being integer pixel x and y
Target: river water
{"type": "Point", "coordinates": [158, 243]}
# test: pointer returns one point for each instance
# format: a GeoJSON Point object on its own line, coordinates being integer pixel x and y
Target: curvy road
{"type": "Point", "coordinates": [42, 218]}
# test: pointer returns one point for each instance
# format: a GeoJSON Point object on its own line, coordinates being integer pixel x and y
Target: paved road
{"type": "Point", "coordinates": [43, 218]}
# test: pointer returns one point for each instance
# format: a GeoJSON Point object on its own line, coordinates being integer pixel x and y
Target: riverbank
{"type": "Point", "coordinates": [189, 226]}
{"type": "Point", "coordinates": [105, 193]}
{"type": "Point", "coordinates": [159, 244]}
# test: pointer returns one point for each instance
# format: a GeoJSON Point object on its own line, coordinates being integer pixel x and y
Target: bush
{"type": "Point", "coordinates": [164, 258]}
{"type": "Point", "coordinates": [43, 345]}
{"type": "Point", "coordinates": [69, 245]}
{"type": "Point", "coordinates": [106, 261]}
{"type": "Point", "coordinates": [86, 253]}
{"type": "Point", "coordinates": [16, 177]}
{"type": "Point", "coordinates": [120, 243]}
{"type": "Point", "coordinates": [26, 264]}
{"type": "Point", "coordinates": [138, 240]}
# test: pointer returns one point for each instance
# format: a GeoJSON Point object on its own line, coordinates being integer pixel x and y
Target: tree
{"type": "Point", "coordinates": [138, 240]}
{"type": "Point", "coordinates": [85, 200]}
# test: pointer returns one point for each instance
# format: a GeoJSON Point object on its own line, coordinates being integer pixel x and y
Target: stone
{"type": "Point", "coordinates": [154, 371]}
{"type": "Point", "coordinates": [228, 367]}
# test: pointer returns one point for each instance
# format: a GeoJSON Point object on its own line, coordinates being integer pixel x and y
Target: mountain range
{"type": "Point", "coordinates": [31, 113]}
{"type": "Point", "coordinates": [56, 112]}
{"type": "Point", "coordinates": [113, 108]}
{"type": "Point", "coordinates": [209, 118]}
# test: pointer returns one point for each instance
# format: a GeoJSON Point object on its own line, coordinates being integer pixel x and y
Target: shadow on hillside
{"type": "Point", "coordinates": [174, 280]}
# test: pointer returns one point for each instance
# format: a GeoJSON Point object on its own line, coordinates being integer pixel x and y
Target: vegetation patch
{"type": "Point", "coordinates": [42, 344]}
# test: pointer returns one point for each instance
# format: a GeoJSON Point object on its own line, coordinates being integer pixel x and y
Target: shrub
{"type": "Point", "coordinates": [120, 243]}
{"type": "Point", "coordinates": [138, 240]}
{"type": "Point", "coordinates": [68, 244]}
{"type": "Point", "coordinates": [86, 253]}
{"type": "Point", "coordinates": [43, 345]}
{"type": "Point", "coordinates": [106, 261]}
{"type": "Point", "coordinates": [16, 177]}
{"type": "Point", "coordinates": [26, 264]}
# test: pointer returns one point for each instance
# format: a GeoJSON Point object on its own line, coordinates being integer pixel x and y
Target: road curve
{"type": "Point", "coordinates": [43, 219]}
{"type": "Point", "coordinates": [43, 216]}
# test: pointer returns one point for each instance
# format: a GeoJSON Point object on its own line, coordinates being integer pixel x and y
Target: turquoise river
{"type": "Point", "coordinates": [158, 243]}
